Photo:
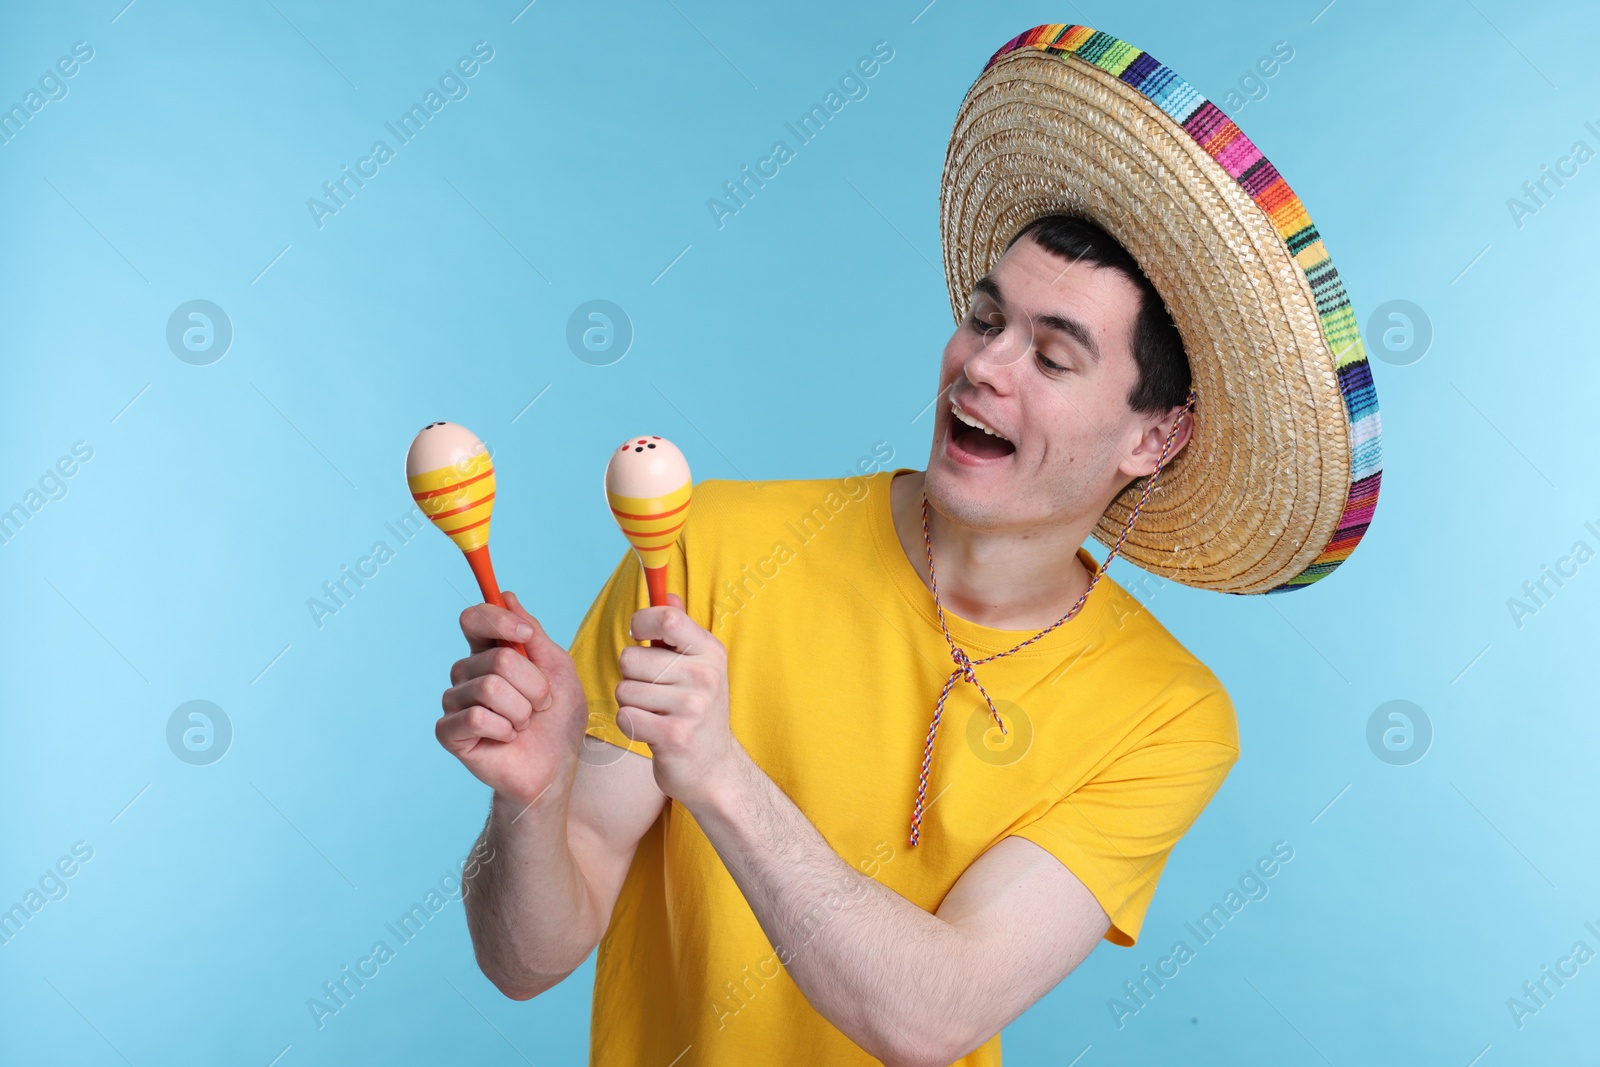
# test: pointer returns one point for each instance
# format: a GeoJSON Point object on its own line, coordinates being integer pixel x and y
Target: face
{"type": "Point", "coordinates": [1043, 359]}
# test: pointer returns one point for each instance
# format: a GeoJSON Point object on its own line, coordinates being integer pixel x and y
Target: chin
{"type": "Point", "coordinates": [975, 502]}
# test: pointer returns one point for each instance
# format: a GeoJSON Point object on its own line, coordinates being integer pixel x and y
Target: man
{"type": "Point", "coordinates": [726, 816]}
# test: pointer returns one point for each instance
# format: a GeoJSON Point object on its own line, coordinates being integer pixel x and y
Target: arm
{"type": "Point", "coordinates": [907, 986]}
{"type": "Point", "coordinates": [561, 831]}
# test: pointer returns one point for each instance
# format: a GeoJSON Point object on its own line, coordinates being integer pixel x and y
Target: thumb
{"type": "Point", "coordinates": [674, 601]}
{"type": "Point", "coordinates": [540, 641]}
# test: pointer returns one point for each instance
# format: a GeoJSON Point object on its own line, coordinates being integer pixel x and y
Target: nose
{"type": "Point", "coordinates": [998, 361]}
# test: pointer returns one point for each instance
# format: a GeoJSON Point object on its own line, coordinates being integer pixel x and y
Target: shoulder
{"type": "Point", "coordinates": [1197, 703]}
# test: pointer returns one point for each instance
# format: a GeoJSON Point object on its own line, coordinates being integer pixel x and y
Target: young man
{"type": "Point", "coordinates": [796, 834]}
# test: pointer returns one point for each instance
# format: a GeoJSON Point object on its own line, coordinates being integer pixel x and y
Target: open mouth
{"type": "Point", "coordinates": [975, 439]}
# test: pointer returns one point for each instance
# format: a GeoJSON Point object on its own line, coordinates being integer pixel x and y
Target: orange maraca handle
{"type": "Point", "coordinates": [655, 580]}
{"type": "Point", "coordinates": [483, 570]}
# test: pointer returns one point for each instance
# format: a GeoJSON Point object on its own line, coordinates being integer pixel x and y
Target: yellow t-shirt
{"type": "Point", "coordinates": [1117, 739]}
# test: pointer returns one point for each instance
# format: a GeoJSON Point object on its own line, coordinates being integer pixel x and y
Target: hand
{"type": "Point", "coordinates": [675, 700]}
{"type": "Point", "coordinates": [516, 723]}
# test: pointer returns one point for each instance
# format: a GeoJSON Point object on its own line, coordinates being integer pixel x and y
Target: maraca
{"type": "Point", "coordinates": [452, 480]}
{"type": "Point", "coordinates": [647, 487]}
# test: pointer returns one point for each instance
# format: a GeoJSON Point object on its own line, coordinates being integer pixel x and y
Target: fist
{"type": "Point", "coordinates": [675, 699]}
{"type": "Point", "coordinates": [515, 723]}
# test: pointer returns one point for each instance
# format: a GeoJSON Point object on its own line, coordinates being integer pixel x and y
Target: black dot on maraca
{"type": "Point", "coordinates": [649, 446]}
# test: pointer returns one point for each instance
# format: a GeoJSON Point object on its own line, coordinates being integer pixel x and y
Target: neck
{"type": "Point", "coordinates": [1006, 580]}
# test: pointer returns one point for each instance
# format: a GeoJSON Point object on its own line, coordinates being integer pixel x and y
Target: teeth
{"type": "Point", "coordinates": [974, 423]}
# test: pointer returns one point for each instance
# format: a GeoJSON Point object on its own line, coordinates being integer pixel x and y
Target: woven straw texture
{"type": "Point", "coordinates": [1280, 477]}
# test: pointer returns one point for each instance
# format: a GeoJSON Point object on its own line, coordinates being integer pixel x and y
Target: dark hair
{"type": "Point", "coordinates": [1164, 380]}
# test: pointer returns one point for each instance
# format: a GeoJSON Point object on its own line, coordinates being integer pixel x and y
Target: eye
{"type": "Point", "coordinates": [1050, 365]}
{"type": "Point", "coordinates": [980, 326]}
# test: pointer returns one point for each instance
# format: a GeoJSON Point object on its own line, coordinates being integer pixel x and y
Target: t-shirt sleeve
{"type": "Point", "coordinates": [1115, 831]}
{"type": "Point", "coordinates": [603, 634]}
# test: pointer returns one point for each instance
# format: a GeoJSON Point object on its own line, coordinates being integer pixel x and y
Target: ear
{"type": "Point", "coordinates": [1152, 436]}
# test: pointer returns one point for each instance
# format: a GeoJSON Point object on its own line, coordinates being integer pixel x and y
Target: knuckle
{"type": "Point", "coordinates": [501, 660]}
{"type": "Point", "coordinates": [493, 689]}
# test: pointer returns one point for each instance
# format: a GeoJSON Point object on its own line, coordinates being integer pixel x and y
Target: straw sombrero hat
{"type": "Point", "coordinates": [1280, 476]}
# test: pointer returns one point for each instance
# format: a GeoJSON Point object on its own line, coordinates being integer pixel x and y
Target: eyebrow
{"type": "Point", "coordinates": [1061, 324]}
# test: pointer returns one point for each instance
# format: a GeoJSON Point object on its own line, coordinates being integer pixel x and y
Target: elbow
{"type": "Point", "coordinates": [519, 989]}
{"type": "Point", "coordinates": [515, 991]}
{"type": "Point", "coordinates": [922, 1055]}
{"type": "Point", "coordinates": [512, 985]}
{"type": "Point", "coordinates": [932, 1047]}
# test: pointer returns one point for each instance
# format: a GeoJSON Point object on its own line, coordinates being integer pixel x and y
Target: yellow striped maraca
{"type": "Point", "coordinates": [647, 486]}
{"type": "Point", "coordinates": [452, 480]}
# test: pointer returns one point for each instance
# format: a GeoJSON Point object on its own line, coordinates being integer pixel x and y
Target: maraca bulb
{"type": "Point", "coordinates": [648, 487]}
{"type": "Point", "coordinates": [452, 480]}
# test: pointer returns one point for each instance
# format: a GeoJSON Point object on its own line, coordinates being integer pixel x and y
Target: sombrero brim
{"type": "Point", "coordinates": [1281, 474]}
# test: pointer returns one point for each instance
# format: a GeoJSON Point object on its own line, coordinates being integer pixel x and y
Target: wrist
{"type": "Point", "coordinates": [508, 808]}
{"type": "Point", "coordinates": [726, 791]}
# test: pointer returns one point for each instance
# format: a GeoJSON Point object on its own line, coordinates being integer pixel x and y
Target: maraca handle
{"type": "Point", "coordinates": [655, 580]}
{"type": "Point", "coordinates": [483, 570]}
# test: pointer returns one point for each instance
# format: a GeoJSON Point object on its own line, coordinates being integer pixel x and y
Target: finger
{"type": "Point", "coordinates": [672, 625]}
{"type": "Point", "coordinates": [653, 699]}
{"type": "Point", "coordinates": [525, 677]}
{"type": "Point", "coordinates": [460, 729]}
{"type": "Point", "coordinates": [484, 624]}
{"type": "Point", "coordinates": [541, 649]}
{"type": "Point", "coordinates": [637, 724]}
{"type": "Point", "coordinates": [657, 666]}
{"type": "Point", "coordinates": [493, 692]}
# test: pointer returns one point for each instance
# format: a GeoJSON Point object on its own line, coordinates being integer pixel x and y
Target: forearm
{"type": "Point", "coordinates": [889, 975]}
{"type": "Point", "coordinates": [530, 911]}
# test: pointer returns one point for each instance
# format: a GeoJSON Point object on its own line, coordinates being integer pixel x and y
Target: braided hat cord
{"type": "Point", "coordinates": [965, 664]}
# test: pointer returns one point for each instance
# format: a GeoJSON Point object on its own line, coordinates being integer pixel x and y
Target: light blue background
{"type": "Point", "coordinates": [784, 344]}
